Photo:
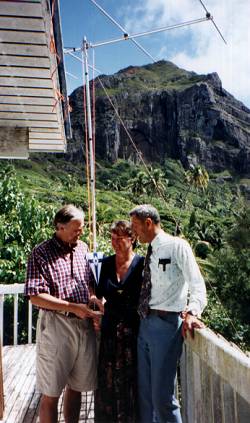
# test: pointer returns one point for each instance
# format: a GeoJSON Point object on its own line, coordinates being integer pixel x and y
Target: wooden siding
{"type": "Point", "coordinates": [29, 78]}
{"type": "Point", "coordinates": [18, 150]}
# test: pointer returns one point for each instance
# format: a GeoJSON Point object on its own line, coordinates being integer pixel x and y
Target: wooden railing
{"type": "Point", "coordinates": [215, 380]}
{"type": "Point", "coordinates": [215, 375]}
{"type": "Point", "coordinates": [15, 290]}
{"type": "Point", "coordinates": [1, 386]}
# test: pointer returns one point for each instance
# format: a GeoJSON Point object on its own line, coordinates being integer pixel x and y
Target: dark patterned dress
{"type": "Point", "coordinates": [116, 396]}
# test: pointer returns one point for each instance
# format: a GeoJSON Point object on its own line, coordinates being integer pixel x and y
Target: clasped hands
{"type": "Point", "coordinates": [96, 309]}
{"type": "Point", "coordinates": [93, 310]}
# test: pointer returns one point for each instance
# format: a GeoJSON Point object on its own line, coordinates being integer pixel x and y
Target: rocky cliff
{"type": "Point", "coordinates": [169, 112]}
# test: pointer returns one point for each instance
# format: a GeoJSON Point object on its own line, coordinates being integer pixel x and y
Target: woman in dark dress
{"type": "Point", "coordinates": [120, 284]}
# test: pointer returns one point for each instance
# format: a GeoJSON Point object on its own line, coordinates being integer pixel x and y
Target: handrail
{"type": "Point", "coordinates": [215, 380]}
{"type": "Point", "coordinates": [14, 289]}
{"type": "Point", "coordinates": [215, 375]}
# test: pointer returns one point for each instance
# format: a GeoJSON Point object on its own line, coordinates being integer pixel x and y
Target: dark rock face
{"type": "Point", "coordinates": [182, 116]}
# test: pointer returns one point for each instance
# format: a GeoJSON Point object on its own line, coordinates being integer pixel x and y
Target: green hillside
{"type": "Point", "coordinates": [211, 215]}
{"type": "Point", "coordinates": [161, 75]}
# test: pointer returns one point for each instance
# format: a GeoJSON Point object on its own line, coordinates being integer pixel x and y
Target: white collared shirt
{"type": "Point", "coordinates": [175, 276]}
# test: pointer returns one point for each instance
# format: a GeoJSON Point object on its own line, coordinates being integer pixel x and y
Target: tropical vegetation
{"type": "Point", "coordinates": [213, 216]}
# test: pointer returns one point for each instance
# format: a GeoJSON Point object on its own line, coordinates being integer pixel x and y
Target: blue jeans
{"type": "Point", "coordinates": [159, 349]}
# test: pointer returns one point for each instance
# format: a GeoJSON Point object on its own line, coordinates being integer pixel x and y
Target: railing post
{"type": "Point", "coordinates": [15, 330]}
{"type": "Point", "coordinates": [1, 365]}
{"type": "Point", "coordinates": [30, 323]}
{"type": "Point", "coordinates": [1, 386]}
{"type": "Point", "coordinates": [10, 289]}
{"type": "Point", "coordinates": [1, 318]}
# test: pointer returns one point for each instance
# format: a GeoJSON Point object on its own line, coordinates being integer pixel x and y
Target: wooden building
{"type": "Point", "coordinates": [34, 113]}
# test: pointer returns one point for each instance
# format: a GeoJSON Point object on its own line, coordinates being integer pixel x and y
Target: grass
{"type": "Point", "coordinates": [159, 76]}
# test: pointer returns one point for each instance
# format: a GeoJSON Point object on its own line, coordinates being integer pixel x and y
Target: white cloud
{"type": "Point", "coordinates": [200, 48]}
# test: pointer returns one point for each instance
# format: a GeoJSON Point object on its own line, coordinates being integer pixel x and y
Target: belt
{"type": "Point", "coordinates": [68, 314]}
{"type": "Point", "coordinates": [161, 313]}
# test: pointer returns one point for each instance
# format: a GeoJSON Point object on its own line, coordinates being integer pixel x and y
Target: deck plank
{"type": "Point", "coordinates": [19, 381]}
{"type": "Point", "coordinates": [21, 399]}
{"type": "Point", "coordinates": [31, 415]}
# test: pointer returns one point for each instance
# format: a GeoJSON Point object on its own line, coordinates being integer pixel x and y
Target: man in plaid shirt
{"type": "Point", "coordinates": [59, 282]}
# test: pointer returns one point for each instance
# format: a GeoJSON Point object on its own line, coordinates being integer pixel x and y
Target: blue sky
{"type": "Point", "coordinates": [198, 47]}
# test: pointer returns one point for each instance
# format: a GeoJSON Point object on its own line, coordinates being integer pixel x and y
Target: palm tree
{"type": "Point", "coordinates": [156, 182]}
{"type": "Point", "coordinates": [150, 183]}
{"type": "Point", "coordinates": [197, 177]}
{"type": "Point", "coordinates": [138, 184]}
{"type": "Point", "coordinates": [114, 185]}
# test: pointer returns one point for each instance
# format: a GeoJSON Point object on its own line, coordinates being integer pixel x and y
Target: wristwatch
{"type": "Point", "coordinates": [193, 312]}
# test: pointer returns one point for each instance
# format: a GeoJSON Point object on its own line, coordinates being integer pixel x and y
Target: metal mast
{"type": "Point", "coordinates": [90, 142]}
{"type": "Point", "coordinates": [86, 66]}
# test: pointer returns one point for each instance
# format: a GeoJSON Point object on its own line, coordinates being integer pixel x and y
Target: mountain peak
{"type": "Point", "coordinates": [169, 112]}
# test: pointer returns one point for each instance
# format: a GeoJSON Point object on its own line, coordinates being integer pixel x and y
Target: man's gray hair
{"type": "Point", "coordinates": [146, 210]}
{"type": "Point", "coordinates": [67, 213]}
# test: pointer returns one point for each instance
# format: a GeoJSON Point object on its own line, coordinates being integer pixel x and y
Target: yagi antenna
{"type": "Point", "coordinates": [122, 29]}
{"type": "Point", "coordinates": [132, 37]}
{"type": "Point", "coordinates": [153, 31]}
{"type": "Point", "coordinates": [208, 14]}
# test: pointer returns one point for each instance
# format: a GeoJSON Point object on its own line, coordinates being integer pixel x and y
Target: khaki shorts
{"type": "Point", "coordinates": [66, 354]}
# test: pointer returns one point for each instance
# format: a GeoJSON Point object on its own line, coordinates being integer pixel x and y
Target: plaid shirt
{"type": "Point", "coordinates": [57, 269]}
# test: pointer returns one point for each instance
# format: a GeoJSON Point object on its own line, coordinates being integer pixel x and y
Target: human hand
{"type": "Point", "coordinates": [97, 319]}
{"type": "Point", "coordinates": [95, 302]}
{"type": "Point", "coordinates": [189, 324]}
{"type": "Point", "coordinates": [81, 310]}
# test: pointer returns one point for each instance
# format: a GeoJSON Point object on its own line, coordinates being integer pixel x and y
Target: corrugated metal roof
{"type": "Point", "coordinates": [31, 82]}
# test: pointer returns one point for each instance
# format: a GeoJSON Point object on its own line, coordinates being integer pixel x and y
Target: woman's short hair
{"type": "Point", "coordinates": [67, 213]}
{"type": "Point", "coordinates": [123, 228]}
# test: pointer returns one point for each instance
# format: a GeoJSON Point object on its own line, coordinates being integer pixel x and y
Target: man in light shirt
{"type": "Point", "coordinates": [172, 287]}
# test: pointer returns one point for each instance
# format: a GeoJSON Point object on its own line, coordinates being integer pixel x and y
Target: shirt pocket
{"type": "Point", "coordinates": [164, 271]}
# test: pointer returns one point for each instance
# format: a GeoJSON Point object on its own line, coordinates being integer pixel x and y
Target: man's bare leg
{"type": "Point", "coordinates": [71, 406]}
{"type": "Point", "coordinates": [48, 409]}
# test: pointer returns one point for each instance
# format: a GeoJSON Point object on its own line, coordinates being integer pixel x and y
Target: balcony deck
{"type": "Point", "coordinates": [214, 376]}
{"type": "Point", "coordinates": [20, 397]}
